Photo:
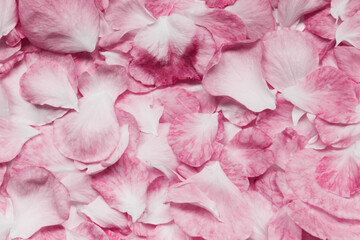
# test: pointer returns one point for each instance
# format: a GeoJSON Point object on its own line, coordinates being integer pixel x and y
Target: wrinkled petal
{"type": "Point", "coordinates": [238, 75]}
{"type": "Point", "coordinates": [322, 24]}
{"type": "Point", "coordinates": [60, 26]}
{"type": "Point", "coordinates": [219, 3]}
{"type": "Point", "coordinates": [48, 198]}
{"type": "Point", "coordinates": [192, 137]}
{"type": "Point", "coordinates": [282, 226]}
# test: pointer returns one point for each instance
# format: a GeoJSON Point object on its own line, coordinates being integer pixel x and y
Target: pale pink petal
{"type": "Point", "coordinates": [123, 186]}
{"type": "Point", "coordinates": [337, 135]}
{"type": "Point", "coordinates": [40, 151]}
{"type": "Point", "coordinates": [326, 83]}
{"type": "Point", "coordinates": [230, 130]}
{"type": "Point", "coordinates": [238, 75]}
{"type": "Point", "coordinates": [246, 155]}
{"type": "Point", "coordinates": [60, 26]}
{"type": "Point", "coordinates": [236, 222]}
{"type": "Point", "coordinates": [49, 81]}
{"type": "Point", "coordinates": [167, 232]}
{"type": "Point", "coordinates": [79, 186]}
{"type": "Point", "coordinates": [322, 224]}
{"type": "Point", "coordinates": [111, 80]}
{"type": "Point", "coordinates": [301, 178]}
{"type": "Point", "coordinates": [157, 209]}
{"type": "Point", "coordinates": [338, 9]}
{"type": "Point", "coordinates": [93, 168]}
{"type": "Point", "coordinates": [290, 11]}
{"type": "Point", "coordinates": [176, 101]}
{"type": "Point", "coordinates": [348, 58]}
{"type": "Point", "coordinates": [349, 31]}
{"type": "Point", "coordinates": [226, 27]}
{"type": "Point", "coordinates": [7, 51]}
{"type": "Point", "coordinates": [127, 15]}
{"type": "Point", "coordinates": [103, 215]}
{"type": "Point", "coordinates": [9, 17]}
{"type": "Point", "coordinates": [4, 104]}
{"type": "Point", "coordinates": [352, 7]}
{"type": "Point", "coordinates": [171, 49]}
{"type": "Point", "coordinates": [38, 198]}
{"type": "Point", "coordinates": [192, 137]}
{"type": "Point", "coordinates": [283, 63]}
{"type": "Point", "coordinates": [156, 152]}
{"type": "Point", "coordinates": [13, 135]}
{"type": "Point", "coordinates": [261, 212]}
{"type": "Point", "coordinates": [257, 16]}
{"type": "Point", "coordinates": [21, 110]}
{"type": "Point", "coordinates": [86, 230]}
{"type": "Point", "coordinates": [235, 112]}
{"type": "Point", "coordinates": [322, 24]}
{"type": "Point", "coordinates": [91, 134]}
{"type": "Point", "coordinates": [144, 108]}
{"type": "Point", "coordinates": [339, 171]}
{"type": "Point", "coordinates": [282, 227]}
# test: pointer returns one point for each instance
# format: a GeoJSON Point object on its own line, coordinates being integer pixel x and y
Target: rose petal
{"type": "Point", "coordinates": [348, 58]}
{"type": "Point", "coordinates": [9, 16]}
{"type": "Point", "coordinates": [349, 31]}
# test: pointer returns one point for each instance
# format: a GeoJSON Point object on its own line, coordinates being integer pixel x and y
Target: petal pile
{"type": "Point", "coordinates": [179, 119]}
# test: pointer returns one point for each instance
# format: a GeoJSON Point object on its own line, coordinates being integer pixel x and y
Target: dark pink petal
{"type": "Point", "coordinates": [349, 31]}
{"type": "Point", "coordinates": [292, 10]}
{"type": "Point", "coordinates": [111, 80]}
{"type": "Point", "coordinates": [322, 224]}
{"type": "Point", "coordinates": [91, 134]}
{"type": "Point", "coordinates": [9, 17]}
{"type": "Point", "coordinates": [234, 222]}
{"type": "Point", "coordinates": [156, 152]}
{"type": "Point", "coordinates": [38, 198]}
{"type": "Point", "coordinates": [13, 135]}
{"type": "Point", "coordinates": [127, 15]}
{"type": "Point", "coordinates": [219, 3]}
{"type": "Point", "coordinates": [192, 137]}
{"type": "Point", "coordinates": [20, 109]}
{"type": "Point", "coordinates": [322, 24]}
{"type": "Point", "coordinates": [238, 75]}
{"type": "Point", "coordinates": [60, 26]}
{"type": "Point", "coordinates": [337, 135]}
{"type": "Point", "coordinates": [235, 112]}
{"type": "Point", "coordinates": [51, 80]}
{"type": "Point", "coordinates": [123, 186]}
{"type": "Point", "coordinates": [282, 227]}
{"type": "Point", "coordinates": [257, 16]}
{"type": "Point", "coordinates": [157, 208]}
{"type": "Point", "coordinates": [145, 109]}
{"type": "Point", "coordinates": [50, 233]}
{"type": "Point", "coordinates": [283, 63]}
{"type": "Point", "coordinates": [339, 171]}
{"type": "Point", "coordinates": [180, 52]}
{"type": "Point", "coordinates": [301, 178]}
{"type": "Point", "coordinates": [176, 101]}
{"type": "Point", "coordinates": [326, 83]}
{"type": "Point", "coordinates": [159, 8]}
{"type": "Point", "coordinates": [226, 27]}
{"type": "Point", "coordinates": [348, 58]}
